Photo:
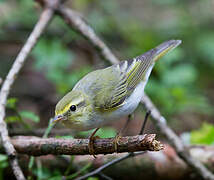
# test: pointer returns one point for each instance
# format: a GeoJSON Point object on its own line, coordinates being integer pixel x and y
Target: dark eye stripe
{"type": "Point", "coordinates": [81, 104]}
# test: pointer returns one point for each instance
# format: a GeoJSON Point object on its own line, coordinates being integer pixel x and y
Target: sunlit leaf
{"type": "Point", "coordinates": [3, 161]}
{"type": "Point", "coordinates": [11, 103]}
{"type": "Point", "coordinates": [3, 157]}
{"type": "Point", "coordinates": [29, 115]}
{"type": "Point", "coordinates": [102, 132]}
{"type": "Point", "coordinates": [12, 119]}
{"type": "Point", "coordinates": [204, 135]}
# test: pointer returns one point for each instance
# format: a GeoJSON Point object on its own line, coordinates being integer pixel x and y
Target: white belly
{"type": "Point", "coordinates": [130, 103]}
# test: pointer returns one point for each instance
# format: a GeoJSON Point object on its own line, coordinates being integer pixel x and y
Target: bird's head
{"type": "Point", "coordinates": [73, 110]}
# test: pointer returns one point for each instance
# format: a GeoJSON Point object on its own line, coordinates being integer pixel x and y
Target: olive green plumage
{"type": "Point", "coordinates": [111, 92]}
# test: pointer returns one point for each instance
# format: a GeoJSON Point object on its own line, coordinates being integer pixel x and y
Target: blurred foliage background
{"type": "Point", "coordinates": [181, 84]}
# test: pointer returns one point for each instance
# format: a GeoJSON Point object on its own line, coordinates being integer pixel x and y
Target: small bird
{"type": "Point", "coordinates": [108, 94]}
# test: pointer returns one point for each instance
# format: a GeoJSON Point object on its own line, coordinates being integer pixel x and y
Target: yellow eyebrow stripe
{"type": "Point", "coordinates": [66, 108]}
{"type": "Point", "coordinates": [75, 101]}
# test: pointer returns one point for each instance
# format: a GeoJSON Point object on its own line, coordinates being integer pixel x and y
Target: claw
{"type": "Point", "coordinates": [91, 143]}
{"type": "Point", "coordinates": [116, 141]}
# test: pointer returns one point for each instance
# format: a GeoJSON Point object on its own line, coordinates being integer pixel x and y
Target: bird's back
{"type": "Point", "coordinates": [109, 88]}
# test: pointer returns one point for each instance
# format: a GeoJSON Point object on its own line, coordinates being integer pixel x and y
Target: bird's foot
{"type": "Point", "coordinates": [116, 142]}
{"type": "Point", "coordinates": [92, 138]}
{"type": "Point", "coordinates": [91, 145]}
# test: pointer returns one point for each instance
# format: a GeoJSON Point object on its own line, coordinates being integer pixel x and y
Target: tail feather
{"type": "Point", "coordinates": [165, 47]}
{"type": "Point", "coordinates": [139, 68]}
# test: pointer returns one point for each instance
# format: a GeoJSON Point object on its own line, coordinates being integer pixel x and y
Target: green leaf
{"type": "Point", "coordinates": [106, 132]}
{"type": "Point", "coordinates": [205, 135]}
{"type": "Point", "coordinates": [3, 157]}
{"type": "Point", "coordinates": [29, 115]}
{"type": "Point", "coordinates": [11, 103]}
{"type": "Point", "coordinates": [3, 161]}
{"type": "Point", "coordinates": [102, 132]}
{"type": "Point", "coordinates": [51, 55]}
{"type": "Point", "coordinates": [93, 178]}
{"type": "Point", "coordinates": [12, 119]}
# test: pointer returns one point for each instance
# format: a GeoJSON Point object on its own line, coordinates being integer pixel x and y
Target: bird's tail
{"type": "Point", "coordinates": [139, 68]}
{"type": "Point", "coordinates": [164, 48]}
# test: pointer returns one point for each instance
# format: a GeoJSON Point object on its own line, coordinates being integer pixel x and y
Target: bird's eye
{"type": "Point", "coordinates": [73, 108]}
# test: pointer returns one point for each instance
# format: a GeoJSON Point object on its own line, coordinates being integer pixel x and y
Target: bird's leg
{"type": "Point", "coordinates": [145, 121]}
{"type": "Point", "coordinates": [91, 142]}
{"type": "Point", "coordinates": [118, 136]}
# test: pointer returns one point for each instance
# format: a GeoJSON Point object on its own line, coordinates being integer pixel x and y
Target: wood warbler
{"type": "Point", "coordinates": [108, 94]}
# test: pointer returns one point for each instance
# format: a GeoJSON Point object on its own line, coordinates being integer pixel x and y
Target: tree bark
{"type": "Point", "coordinates": [37, 146]}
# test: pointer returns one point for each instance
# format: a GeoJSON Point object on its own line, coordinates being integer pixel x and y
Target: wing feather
{"type": "Point", "coordinates": [110, 87]}
{"type": "Point", "coordinates": [128, 76]}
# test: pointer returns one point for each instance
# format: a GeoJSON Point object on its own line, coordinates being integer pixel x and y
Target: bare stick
{"type": "Point", "coordinates": [42, 23]}
{"type": "Point", "coordinates": [100, 169]}
{"type": "Point", "coordinates": [38, 146]}
{"type": "Point", "coordinates": [77, 23]}
{"type": "Point", "coordinates": [74, 20]}
{"type": "Point", "coordinates": [102, 175]}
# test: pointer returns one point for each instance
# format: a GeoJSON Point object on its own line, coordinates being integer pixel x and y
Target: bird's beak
{"type": "Point", "coordinates": [57, 119]}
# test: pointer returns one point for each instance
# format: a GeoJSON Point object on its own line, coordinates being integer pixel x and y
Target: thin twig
{"type": "Point", "coordinates": [102, 175]}
{"type": "Point", "coordinates": [42, 146]}
{"type": "Point", "coordinates": [100, 169]}
{"type": "Point", "coordinates": [77, 23]}
{"type": "Point", "coordinates": [42, 23]}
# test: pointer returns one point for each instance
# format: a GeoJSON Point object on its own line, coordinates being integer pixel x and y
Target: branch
{"type": "Point", "coordinates": [115, 161]}
{"type": "Point", "coordinates": [42, 146]}
{"type": "Point", "coordinates": [77, 23]}
{"type": "Point", "coordinates": [42, 23]}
